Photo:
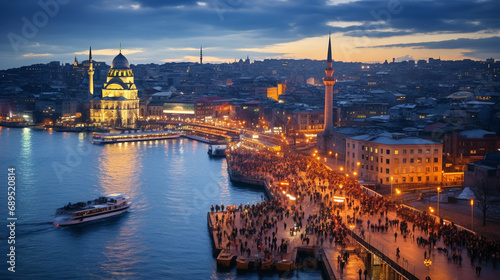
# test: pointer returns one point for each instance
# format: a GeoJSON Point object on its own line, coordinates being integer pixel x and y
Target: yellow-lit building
{"type": "Point", "coordinates": [119, 105]}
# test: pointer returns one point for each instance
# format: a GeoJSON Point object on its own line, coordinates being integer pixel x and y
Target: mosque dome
{"type": "Point", "coordinates": [120, 62]}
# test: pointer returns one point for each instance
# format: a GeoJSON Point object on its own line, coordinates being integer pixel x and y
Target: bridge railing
{"type": "Point", "coordinates": [400, 265]}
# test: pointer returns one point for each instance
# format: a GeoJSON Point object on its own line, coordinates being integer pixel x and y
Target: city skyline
{"type": "Point", "coordinates": [158, 32]}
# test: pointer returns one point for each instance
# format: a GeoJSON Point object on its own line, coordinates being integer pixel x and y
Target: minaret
{"type": "Point", "coordinates": [91, 74]}
{"type": "Point", "coordinates": [329, 81]}
{"type": "Point", "coordinates": [201, 55]}
{"type": "Point", "coordinates": [75, 64]}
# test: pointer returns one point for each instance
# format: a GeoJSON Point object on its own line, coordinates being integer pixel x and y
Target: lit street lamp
{"type": "Point", "coordinates": [336, 165]}
{"type": "Point", "coordinates": [391, 187]}
{"type": "Point", "coordinates": [472, 214]}
{"type": "Point", "coordinates": [439, 189]}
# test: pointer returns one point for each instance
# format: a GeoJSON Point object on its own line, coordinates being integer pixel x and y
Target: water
{"type": "Point", "coordinates": [172, 184]}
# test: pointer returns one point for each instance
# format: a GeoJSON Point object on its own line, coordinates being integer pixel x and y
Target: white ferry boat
{"type": "Point", "coordinates": [217, 150]}
{"type": "Point", "coordinates": [108, 138]}
{"type": "Point", "coordinates": [81, 212]}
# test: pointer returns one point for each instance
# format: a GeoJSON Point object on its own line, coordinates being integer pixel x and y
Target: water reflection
{"type": "Point", "coordinates": [118, 169]}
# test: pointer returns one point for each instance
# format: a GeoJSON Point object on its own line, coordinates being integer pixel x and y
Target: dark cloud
{"type": "Point", "coordinates": [263, 22]}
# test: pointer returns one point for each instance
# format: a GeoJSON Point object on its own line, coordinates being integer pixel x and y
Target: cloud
{"type": "Point", "coordinates": [206, 59]}
{"type": "Point", "coordinates": [461, 43]}
{"type": "Point", "coordinates": [236, 26]}
{"type": "Point", "coordinates": [110, 52]}
{"type": "Point", "coordinates": [37, 54]}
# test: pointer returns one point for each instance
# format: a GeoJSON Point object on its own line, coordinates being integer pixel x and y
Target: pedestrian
{"type": "Point", "coordinates": [395, 236]}
{"type": "Point", "coordinates": [360, 272]}
{"type": "Point", "coordinates": [425, 255]}
{"type": "Point", "coordinates": [365, 273]}
{"type": "Point", "coordinates": [397, 252]}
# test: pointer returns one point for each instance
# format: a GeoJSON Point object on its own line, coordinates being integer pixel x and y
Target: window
{"type": "Point", "coordinates": [348, 154]}
{"type": "Point", "coordinates": [419, 179]}
{"type": "Point", "coordinates": [436, 151]}
{"type": "Point", "coordinates": [404, 160]}
{"type": "Point", "coordinates": [427, 169]}
{"type": "Point", "coordinates": [348, 145]}
{"type": "Point", "coordinates": [411, 151]}
{"type": "Point", "coordinates": [362, 156]}
{"type": "Point", "coordinates": [411, 160]}
{"type": "Point", "coordinates": [371, 149]}
{"type": "Point", "coordinates": [404, 170]}
{"type": "Point", "coordinates": [435, 178]}
{"type": "Point", "coordinates": [404, 151]}
{"type": "Point", "coordinates": [435, 169]}
{"type": "Point", "coordinates": [353, 145]}
{"type": "Point", "coordinates": [353, 155]}
{"type": "Point", "coordinates": [419, 160]}
{"type": "Point", "coordinates": [396, 152]}
{"type": "Point", "coordinates": [427, 151]}
{"type": "Point", "coordinates": [473, 152]}
{"type": "Point", "coordinates": [427, 160]}
{"type": "Point", "coordinates": [387, 179]}
{"type": "Point", "coordinates": [381, 151]}
{"type": "Point", "coordinates": [436, 159]}
{"type": "Point", "coordinates": [376, 168]}
{"type": "Point", "coordinates": [388, 151]}
{"type": "Point", "coordinates": [396, 171]}
{"type": "Point", "coordinates": [371, 167]}
{"type": "Point", "coordinates": [376, 150]}
{"type": "Point", "coordinates": [419, 151]}
{"type": "Point", "coordinates": [396, 160]}
{"type": "Point", "coordinates": [427, 178]}
{"type": "Point", "coordinates": [387, 171]}
{"type": "Point", "coordinates": [362, 147]}
{"type": "Point", "coordinates": [411, 179]}
{"type": "Point", "coordinates": [371, 158]}
{"type": "Point", "coordinates": [404, 179]}
{"type": "Point", "coordinates": [387, 161]}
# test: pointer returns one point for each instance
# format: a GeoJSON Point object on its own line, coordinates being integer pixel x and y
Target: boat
{"type": "Point", "coordinates": [267, 264]}
{"type": "Point", "coordinates": [108, 138]}
{"type": "Point", "coordinates": [102, 207]}
{"type": "Point", "coordinates": [284, 265]}
{"type": "Point", "coordinates": [225, 259]}
{"type": "Point", "coordinates": [217, 150]}
{"type": "Point", "coordinates": [246, 263]}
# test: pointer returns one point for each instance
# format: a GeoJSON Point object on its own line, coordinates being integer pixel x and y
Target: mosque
{"type": "Point", "coordinates": [118, 105]}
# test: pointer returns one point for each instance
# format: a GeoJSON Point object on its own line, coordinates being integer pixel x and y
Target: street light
{"type": "Point", "coordinates": [439, 189]}
{"type": "Point", "coordinates": [336, 165]}
{"type": "Point", "coordinates": [391, 187]}
{"type": "Point", "coordinates": [472, 214]}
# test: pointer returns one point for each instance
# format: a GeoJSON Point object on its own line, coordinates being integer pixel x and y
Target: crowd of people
{"type": "Point", "coordinates": [297, 181]}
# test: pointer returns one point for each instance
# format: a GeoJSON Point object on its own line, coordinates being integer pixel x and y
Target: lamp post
{"type": "Point", "coordinates": [438, 189]}
{"type": "Point", "coordinates": [336, 165]}
{"type": "Point", "coordinates": [391, 187]}
{"type": "Point", "coordinates": [472, 214]}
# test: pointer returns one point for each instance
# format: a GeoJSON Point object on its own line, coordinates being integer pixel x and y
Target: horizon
{"type": "Point", "coordinates": [363, 31]}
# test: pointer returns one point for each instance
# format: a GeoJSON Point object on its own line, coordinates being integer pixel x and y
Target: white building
{"type": "Point", "coordinates": [406, 162]}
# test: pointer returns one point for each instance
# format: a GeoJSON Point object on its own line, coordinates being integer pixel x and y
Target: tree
{"type": "Point", "coordinates": [486, 195]}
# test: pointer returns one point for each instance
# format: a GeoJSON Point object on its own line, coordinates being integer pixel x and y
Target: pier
{"type": "Point", "coordinates": [317, 218]}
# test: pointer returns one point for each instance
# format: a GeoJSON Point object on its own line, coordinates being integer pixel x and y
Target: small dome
{"type": "Point", "coordinates": [120, 62]}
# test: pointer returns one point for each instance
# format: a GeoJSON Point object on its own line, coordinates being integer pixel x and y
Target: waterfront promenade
{"type": "Point", "coordinates": [313, 206]}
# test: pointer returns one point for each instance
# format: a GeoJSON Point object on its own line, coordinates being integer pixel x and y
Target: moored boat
{"type": "Point", "coordinates": [109, 138]}
{"type": "Point", "coordinates": [217, 150]}
{"type": "Point", "coordinates": [225, 259]}
{"type": "Point", "coordinates": [102, 207]}
{"type": "Point", "coordinates": [284, 265]}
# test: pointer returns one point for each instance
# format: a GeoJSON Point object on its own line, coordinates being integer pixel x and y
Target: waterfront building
{"type": "Point", "coordinates": [394, 159]}
{"type": "Point", "coordinates": [118, 105]}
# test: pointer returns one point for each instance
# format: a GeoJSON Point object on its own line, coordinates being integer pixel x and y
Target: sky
{"type": "Point", "coordinates": [153, 31]}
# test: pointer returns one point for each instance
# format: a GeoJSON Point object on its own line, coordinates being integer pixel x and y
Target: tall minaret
{"type": "Point", "coordinates": [91, 74]}
{"type": "Point", "coordinates": [329, 81]}
{"type": "Point", "coordinates": [201, 55]}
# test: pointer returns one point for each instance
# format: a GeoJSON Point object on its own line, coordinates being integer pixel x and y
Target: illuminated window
{"type": "Point", "coordinates": [396, 152]}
